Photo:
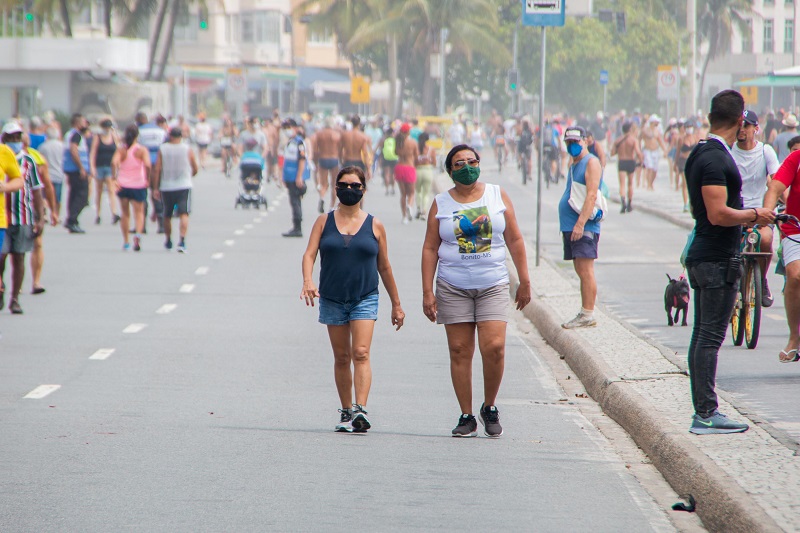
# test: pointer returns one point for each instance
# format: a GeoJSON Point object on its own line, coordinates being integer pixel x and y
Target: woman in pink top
{"type": "Point", "coordinates": [131, 168]}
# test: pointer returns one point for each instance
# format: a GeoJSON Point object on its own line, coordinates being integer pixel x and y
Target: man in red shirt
{"type": "Point", "coordinates": [788, 176]}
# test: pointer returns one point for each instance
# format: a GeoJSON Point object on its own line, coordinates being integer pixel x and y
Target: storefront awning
{"type": "Point", "coordinates": [770, 81]}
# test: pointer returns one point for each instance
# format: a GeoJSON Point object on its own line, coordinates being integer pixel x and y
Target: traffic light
{"type": "Point", "coordinates": [513, 79]}
{"type": "Point", "coordinates": [620, 21]}
{"type": "Point", "coordinates": [202, 15]}
{"type": "Point", "coordinates": [28, 8]}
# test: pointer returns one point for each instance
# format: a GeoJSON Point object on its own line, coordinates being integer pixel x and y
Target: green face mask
{"type": "Point", "coordinates": [466, 175]}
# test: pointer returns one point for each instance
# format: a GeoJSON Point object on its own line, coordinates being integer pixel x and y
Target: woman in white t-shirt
{"type": "Point", "coordinates": [470, 227]}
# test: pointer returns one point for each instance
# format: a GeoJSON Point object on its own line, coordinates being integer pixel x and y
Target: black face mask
{"type": "Point", "coordinates": [349, 196]}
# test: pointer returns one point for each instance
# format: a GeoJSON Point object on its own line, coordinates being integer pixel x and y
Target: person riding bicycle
{"type": "Point", "coordinates": [524, 146]}
{"type": "Point", "coordinates": [757, 163]}
{"type": "Point", "coordinates": [227, 151]}
{"type": "Point", "coordinates": [500, 144]}
{"type": "Point", "coordinates": [551, 146]}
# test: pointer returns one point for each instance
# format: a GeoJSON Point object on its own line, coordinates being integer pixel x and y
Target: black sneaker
{"type": "Point", "coordinates": [114, 219]}
{"type": "Point", "coordinates": [766, 295]}
{"type": "Point", "coordinates": [467, 427]}
{"type": "Point", "coordinates": [490, 418]}
{"type": "Point", "coordinates": [294, 232]}
{"type": "Point", "coordinates": [345, 421]}
{"type": "Point", "coordinates": [168, 244]}
{"type": "Point", "coordinates": [360, 422]}
{"type": "Point", "coordinates": [97, 221]}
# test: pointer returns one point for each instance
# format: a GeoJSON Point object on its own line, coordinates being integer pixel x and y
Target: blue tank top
{"type": "Point", "coordinates": [567, 216]}
{"type": "Point", "coordinates": [349, 263]}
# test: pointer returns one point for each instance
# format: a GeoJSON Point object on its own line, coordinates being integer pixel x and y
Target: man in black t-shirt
{"type": "Point", "coordinates": [713, 259]}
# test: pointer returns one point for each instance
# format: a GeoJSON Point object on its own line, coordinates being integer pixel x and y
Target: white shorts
{"type": "Point", "coordinates": [791, 250]}
{"type": "Point", "coordinates": [651, 158]}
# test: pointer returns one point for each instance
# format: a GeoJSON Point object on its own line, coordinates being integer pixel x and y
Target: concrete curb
{"type": "Point", "coordinates": [721, 503]}
{"type": "Point", "coordinates": [686, 224]}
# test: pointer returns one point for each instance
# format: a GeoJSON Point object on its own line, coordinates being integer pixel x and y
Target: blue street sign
{"type": "Point", "coordinates": [543, 12]}
{"type": "Point", "coordinates": [603, 77]}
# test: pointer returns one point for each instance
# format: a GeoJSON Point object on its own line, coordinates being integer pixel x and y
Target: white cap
{"type": "Point", "coordinates": [11, 128]}
{"type": "Point", "coordinates": [654, 118]}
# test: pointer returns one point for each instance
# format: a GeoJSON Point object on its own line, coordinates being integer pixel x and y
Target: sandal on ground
{"type": "Point", "coordinates": [789, 356]}
{"type": "Point", "coordinates": [38, 290]}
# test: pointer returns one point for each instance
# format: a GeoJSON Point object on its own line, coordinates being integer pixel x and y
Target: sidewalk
{"type": "Point", "coordinates": [741, 482]}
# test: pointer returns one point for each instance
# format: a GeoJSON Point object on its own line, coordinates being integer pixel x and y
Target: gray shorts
{"type": "Point", "coordinates": [19, 240]}
{"type": "Point", "coordinates": [456, 306]}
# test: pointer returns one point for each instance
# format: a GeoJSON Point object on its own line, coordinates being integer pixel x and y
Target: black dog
{"type": "Point", "coordinates": [677, 296]}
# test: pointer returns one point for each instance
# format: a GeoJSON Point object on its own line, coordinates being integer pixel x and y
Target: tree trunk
{"type": "Point", "coordinates": [107, 16]}
{"type": "Point", "coordinates": [173, 19]}
{"type": "Point", "coordinates": [162, 11]}
{"type": "Point", "coordinates": [403, 75]}
{"type": "Point", "coordinates": [392, 42]}
{"type": "Point", "coordinates": [65, 18]}
{"type": "Point", "coordinates": [712, 51]}
{"type": "Point", "coordinates": [428, 102]}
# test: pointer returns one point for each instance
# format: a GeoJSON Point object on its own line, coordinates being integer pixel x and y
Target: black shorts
{"type": "Point", "coordinates": [202, 146]}
{"type": "Point", "coordinates": [585, 247]}
{"type": "Point", "coordinates": [177, 201]}
{"type": "Point", "coordinates": [627, 165]}
{"type": "Point", "coordinates": [137, 195]}
{"type": "Point", "coordinates": [355, 163]}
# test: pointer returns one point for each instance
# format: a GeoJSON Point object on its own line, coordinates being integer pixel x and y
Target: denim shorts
{"type": "Point", "coordinates": [103, 173]}
{"type": "Point", "coordinates": [337, 314]}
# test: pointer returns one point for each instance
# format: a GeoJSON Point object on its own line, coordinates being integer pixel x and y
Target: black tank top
{"type": "Point", "coordinates": [105, 152]}
{"type": "Point", "coordinates": [349, 263]}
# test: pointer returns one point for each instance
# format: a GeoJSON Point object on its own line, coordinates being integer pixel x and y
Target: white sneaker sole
{"type": "Point", "coordinates": [473, 434]}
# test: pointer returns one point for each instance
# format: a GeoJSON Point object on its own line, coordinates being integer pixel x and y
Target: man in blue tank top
{"type": "Point", "coordinates": [581, 229]}
{"type": "Point", "coordinates": [152, 136]}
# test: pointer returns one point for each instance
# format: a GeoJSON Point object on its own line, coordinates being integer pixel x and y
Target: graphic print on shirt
{"type": "Point", "coordinates": [473, 230]}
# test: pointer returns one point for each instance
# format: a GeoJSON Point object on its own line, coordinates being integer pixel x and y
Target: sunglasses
{"type": "Point", "coordinates": [355, 186]}
{"type": "Point", "coordinates": [461, 163]}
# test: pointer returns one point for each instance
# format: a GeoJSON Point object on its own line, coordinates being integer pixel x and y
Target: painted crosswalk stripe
{"type": "Point", "coordinates": [239, 232]}
{"type": "Point", "coordinates": [134, 328]}
{"type": "Point", "coordinates": [218, 255]}
{"type": "Point", "coordinates": [229, 242]}
{"type": "Point", "coordinates": [201, 271]}
{"type": "Point", "coordinates": [41, 391]}
{"type": "Point", "coordinates": [248, 226]}
{"type": "Point", "coordinates": [166, 308]}
{"type": "Point", "coordinates": [102, 354]}
{"type": "Point", "coordinates": [187, 288]}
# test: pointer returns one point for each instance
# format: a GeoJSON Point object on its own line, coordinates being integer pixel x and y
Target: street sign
{"type": "Point", "coordinates": [603, 77]}
{"type": "Point", "coordinates": [359, 90]}
{"type": "Point", "coordinates": [667, 82]}
{"type": "Point", "coordinates": [543, 12]}
{"type": "Point", "coordinates": [236, 85]}
{"type": "Point", "coordinates": [750, 95]}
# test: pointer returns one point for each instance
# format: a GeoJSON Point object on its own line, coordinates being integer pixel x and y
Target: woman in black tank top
{"type": "Point", "coordinates": [352, 245]}
{"type": "Point", "coordinates": [686, 144]}
{"type": "Point", "coordinates": [102, 151]}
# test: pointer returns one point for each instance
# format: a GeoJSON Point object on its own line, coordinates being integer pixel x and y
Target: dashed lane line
{"type": "Point", "coordinates": [187, 288]}
{"type": "Point", "coordinates": [41, 391]}
{"type": "Point", "coordinates": [229, 242]}
{"type": "Point", "coordinates": [248, 226]}
{"type": "Point", "coordinates": [218, 255]}
{"type": "Point", "coordinates": [239, 232]}
{"type": "Point", "coordinates": [201, 271]}
{"type": "Point", "coordinates": [102, 354]}
{"type": "Point", "coordinates": [134, 328]}
{"type": "Point", "coordinates": [166, 309]}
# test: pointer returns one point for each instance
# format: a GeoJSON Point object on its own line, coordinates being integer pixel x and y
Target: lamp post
{"type": "Point", "coordinates": [442, 40]}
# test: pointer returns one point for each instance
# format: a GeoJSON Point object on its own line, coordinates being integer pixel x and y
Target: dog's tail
{"type": "Point", "coordinates": [669, 278]}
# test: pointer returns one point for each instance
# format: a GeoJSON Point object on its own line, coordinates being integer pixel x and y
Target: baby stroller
{"type": "Point", "coordinates": [251, 186]}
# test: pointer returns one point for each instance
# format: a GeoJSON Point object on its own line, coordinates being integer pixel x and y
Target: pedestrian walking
{"type": "Point", "coordinates": [354, 253]}
{"type": "Point", "coordinates": [653, 140]}
{"type": "Point", "coordinates": [713, 260]}
{"type": "Point", "coordinates": [470, 228]}
{"type": "Point", "coordinates": [426, 162]}
{"type": "Point", "coordinates": [76, 167]}
{"type": "Point", "coordinates": [781, 143]}
{"type": "Point", "coordinates": [203, 133]}
{"type": "Point", "coordinates": [327, 146]}
{"type": "Point", "coordinates": [100, 155]}
{"type": "Point", "coordinates": [628, 151]}
{"type": "Point", "coordinates": [11, 181]}
{"type": "Point", "coordinates": [579, 218]}
{"type": "Point", "coordinates": [296, 172]}
{"type": "Point", "coordinates": [131, 169]}
{"type": "Point", "coordinates": [172, 184]}
{"type": "Point", "coordinates": [49, 197]}
{"type": "Point", "coordinates": [53, 151]}
{"type": "Point", "coordinates": [405, 173]}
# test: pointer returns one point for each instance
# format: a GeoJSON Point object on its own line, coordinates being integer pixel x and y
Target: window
{"type": "Point", "coordinates": [747, 38]}
{"type": "Point", "coordinates": [186, 28]}
{"type": "Point", "coordinates": [769, 42]}
{"type": "Point", "coordinates": [788, 37]}
{"type": "Point", "coordinates": [261, 27]}
{"type": "Point", "coordinates": [321, 36]}
{"type": "Point", "coordinates": [232, 29]}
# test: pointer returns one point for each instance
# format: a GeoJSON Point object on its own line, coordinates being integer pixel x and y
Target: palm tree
{"type": "Point", "coordinates": [716, 23]}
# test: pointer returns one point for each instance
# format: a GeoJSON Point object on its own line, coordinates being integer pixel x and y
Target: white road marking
{"type": "Point", "coordinates": [134, 328]}
{"type": "Point", "coordinates": [257, 219]}
{"type": "Point", "coordinates": [271, 209]}
{"type": "Point", "coordinates": [248, 226]}
{"type": "Point", "coordinates": [638, 320]}
{"type": "Point", "coordinates": [218, 255]}
{"type": "Point", "coordinates": [187, 288]}
{"type": "Point", "coordinates": [776, 316]}
{"type": "Point", "coordinates": [166, 308]}
{"type": "Point", "coordinates": [102, 354]}
{"type": "Point", "coordinates": [275, 203]}
{"type": "Point", "coordinates": [41, 391]}
{"type": "Point", "coordinates": [239, 232]}
{"type": "Point", "coordinates": [201, 271]}
{"type": "Point", "coordinates": [229, 242]}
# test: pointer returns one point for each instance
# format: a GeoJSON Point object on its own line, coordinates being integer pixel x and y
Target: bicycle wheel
{"type": "Point", "coordinates": [754, 289]}
{"type": "Point", "coordinates": [737, 319]}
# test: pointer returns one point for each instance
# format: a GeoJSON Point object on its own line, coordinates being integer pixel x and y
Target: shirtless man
{"type": "Point", "coordinates": [653, 139]}
{"type": "Point", "coordinates": [271, 129]}
{"type": "Point", "coordinates": [627, 149]}
{"type": "Point", "coordinates": [354, 146]}
{"type": "Point", "coordinates": [405, 172]}
{"type": "Point", "coordinates": [326, 144]}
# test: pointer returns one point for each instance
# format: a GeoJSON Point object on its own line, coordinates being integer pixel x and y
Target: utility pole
{"type": "Point", "coordinates": [691, 25]}
{"type": "Point", "coordinates": [515, 92]}
{"type": "Point", "coordinates": [442, 54]}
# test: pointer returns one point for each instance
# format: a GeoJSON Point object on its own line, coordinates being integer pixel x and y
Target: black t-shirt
{"type": "Point", "coordinates": [710, 163]}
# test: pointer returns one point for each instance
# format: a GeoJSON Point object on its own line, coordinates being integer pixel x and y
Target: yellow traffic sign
{"type": "Point", "coordinates": [359, 90]}
{"type": "Point", "coordinates": [750, 95]}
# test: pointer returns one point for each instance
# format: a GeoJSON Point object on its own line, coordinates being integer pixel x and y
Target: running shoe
{"type": "Point", "coordinates": [14, 307]}
{"type": "Point", "coordinates": [490, 418]}
{"type": "Point", "coordinates": [716, 423]}
{"type": "Point", "coordinates": [97, 221]}
{"type": "Point", "coordinates": [766, 295]}
{"type": "Point", "coordinates": [182, 247]}
{"type": "Point", "coordinates": [137, 246]}
{"type": "Point", "coordinates": [345, 421]}
{"type": "Point", "coordinates": [360, 422]}
{"type": "Point", "coordinates": [168, 244]}
{"type": "Point", "coordinates": [114, 219]}
{"type": "Point", "coordinates": [467, 427]}
{"type": "Point", "coordinates": [580, 321]}
{"type": "Point", "coordinates": [126, 247]}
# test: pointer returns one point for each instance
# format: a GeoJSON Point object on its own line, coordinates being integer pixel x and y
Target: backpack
{"type": "Point", "coordinates": [389, 153]}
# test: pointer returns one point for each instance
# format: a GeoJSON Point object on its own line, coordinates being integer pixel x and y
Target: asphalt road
{"type": "Point", "coordinates": [637, 250]}
{"type": "Point", "coordinates": [195, 393]}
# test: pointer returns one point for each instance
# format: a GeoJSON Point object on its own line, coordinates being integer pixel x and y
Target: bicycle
{"type": "Point", "coordinates": [525, 161]}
